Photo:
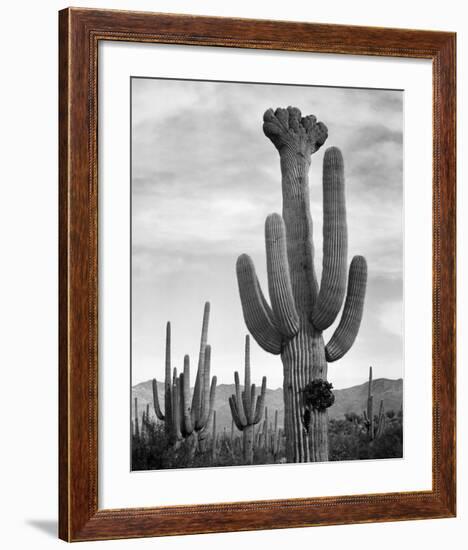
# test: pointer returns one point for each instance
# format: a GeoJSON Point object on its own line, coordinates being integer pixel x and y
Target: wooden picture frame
{"type": "Point", "coordinates": [80, 31]}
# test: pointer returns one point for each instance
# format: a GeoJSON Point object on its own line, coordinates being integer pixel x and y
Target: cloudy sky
{"type": "Point", "coordinates": [204, 178]}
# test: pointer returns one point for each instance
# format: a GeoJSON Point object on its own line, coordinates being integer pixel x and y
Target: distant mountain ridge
{"type": "Point", "coordinates": [348, 400]}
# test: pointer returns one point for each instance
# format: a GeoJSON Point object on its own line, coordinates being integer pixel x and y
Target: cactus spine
{"type": "Point", "coordinates": [301, 310]}
{"type": "Point", "coordinates": [185, 418]}
{"type": "Point", "coordinates": [246, 407]}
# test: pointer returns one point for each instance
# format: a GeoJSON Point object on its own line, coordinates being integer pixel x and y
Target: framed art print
{"type": "Point", "coordinates": [257, 283]}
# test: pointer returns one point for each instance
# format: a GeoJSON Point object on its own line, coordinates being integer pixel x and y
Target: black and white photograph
{"type": "Point", "coordinates": [266, 274]}
{"type": "Point", "coordinates": [233, 292]}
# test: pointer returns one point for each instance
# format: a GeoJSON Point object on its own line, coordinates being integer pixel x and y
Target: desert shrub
{"type": "Point", "coordinates": [350, 441]}
{"type": "Point", "coordinates": [353, 417]}
{"type": "Point", "coordinates": [152, 451]}
{"type": "Point", "coordinates": [149, 450]}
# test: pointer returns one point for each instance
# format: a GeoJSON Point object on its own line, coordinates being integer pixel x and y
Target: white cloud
{"type": "Point", "coordinates": [391, 317]}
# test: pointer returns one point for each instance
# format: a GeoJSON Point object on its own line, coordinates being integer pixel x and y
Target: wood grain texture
{"type": "Point", "coordinates": [80, 31]}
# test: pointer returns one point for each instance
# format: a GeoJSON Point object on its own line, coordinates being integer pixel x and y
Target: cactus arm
{"type": "Point", "coordinates": [176, 432]}
{"type": "Point", "coordinates": [188, 425]}
{"type": "Point", "coordinates": [335, 242]}
{"type": "Point", "coordinates": [239, 400]}
{"type": "Point", "coordinates": [214, 381]}
{"type": "Point", "coordinates": [245, 405]}
{"type": "Point", "coordinates": [199, 380]}
{"type": "Point", "coordinates": [257, 315]}
{"type": "Point", "coordinates": [246, 394]}
{"type": "Point", "coordinates": [157, 408]}
{"type": "Point", "coordinates": [253, 403]}
{"type": "Point", "coordinates": [348, 328]}
{"type": "Point", "coordinates": [260, 402]}
{"type": "Point", "coordinates": [203, 429]}
{"type": "Point", "coordinates": [235, 413]}
{"type": "Point", "coordinates": [279, 281]}
{"type": "Point", "coordinates": [370, 405]}
{"type": "Point", "coordinates": [206, 388]}
{"type": "Point", "coordinates": [381, 420]}
{"type": "Point", "coordinates": [196, 406]}
{"type": "Point", "coordinates": [167, 380]}
{"type": "Point", "coordinates": [369, 385]}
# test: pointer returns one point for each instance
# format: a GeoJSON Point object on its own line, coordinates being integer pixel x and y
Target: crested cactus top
{"type": "Point", "coordinates": [291, 132]}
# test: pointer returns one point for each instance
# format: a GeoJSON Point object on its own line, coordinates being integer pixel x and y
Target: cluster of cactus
{"type": "Point", "coordinates": [136, 424]}
{"type": "Point", "coordinates": [374, 429]}
{"type": "Point", "coordinates": [247, 407]}
{"type": "Point", "coordinates": [140, 431]}
{"type": "Point", "coordinates": [188, 417]}
{"type": "Point", "coordinates": [292, 326]}
{"type": "Point", "coordinates": [270, 437]}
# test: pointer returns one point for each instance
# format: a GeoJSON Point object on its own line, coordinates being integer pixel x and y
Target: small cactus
{"type": "Point", "coordinates": [213, 439]}
{"type": "Point", "coordinates": [381, 421]}
{"type": "Point", "coordinates": [246, 407]}
{"type": "Point", "coordinates": [137, 427]}
{"type": "Point", "coordinates": [370, 407]}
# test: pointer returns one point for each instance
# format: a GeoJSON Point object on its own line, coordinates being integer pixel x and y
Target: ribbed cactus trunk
{"type": "Point", "coordinates": [304, 360]}
{"type": "Point", "coordinates": [248, 444]}
{"type": "Point", "coordinates": [301, 310]}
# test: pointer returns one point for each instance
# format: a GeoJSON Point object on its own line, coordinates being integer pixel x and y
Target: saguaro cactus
{"type": "Point", "coordinates": [266, 432]}
{"type": "Point", "coordinates": [369, 413]}
{"type": "Point", "coordinates": [171, 416]}
{"type": "Point", "coordinates": [301, 310]}
{"type": "Point", "coordinates": [184, 418]}
{"type": "Point", "coordinates": [213, 439]}
{"type": "Point", "coordinates": [198, 409]}
{"type": "Point", "coordinates": [381, 421]}
{"type": "Point", "coordinates": [276, 437]}
{"type": "Point", "coordinates": [246, 407]}
{"type": "Point", "coordinates": [137, 428]}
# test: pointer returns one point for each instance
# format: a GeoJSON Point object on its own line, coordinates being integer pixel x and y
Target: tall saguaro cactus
{"type": "Point", "coordinates": [198, 408]}
{"type": "Point", "coordinates": [172, 386]}
{"type": "Point", "coordinates": [184, 417]}
{"type": "Point", "coordinates": [247, 407]}
{"type": "Point", "coordinates": [301, 309]}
